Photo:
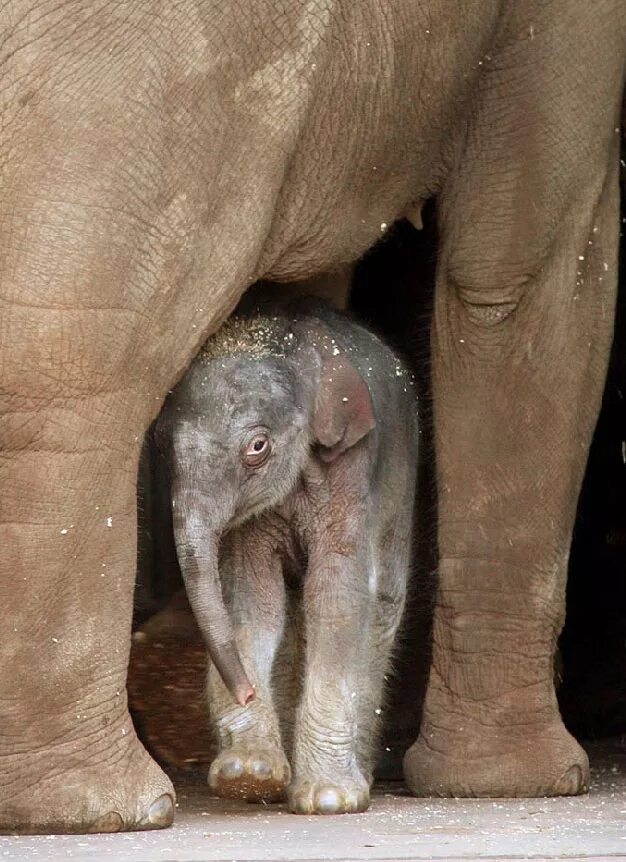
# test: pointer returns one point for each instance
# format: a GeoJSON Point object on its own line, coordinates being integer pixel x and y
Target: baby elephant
{"type": "Point", "coordinates": [292, 446]}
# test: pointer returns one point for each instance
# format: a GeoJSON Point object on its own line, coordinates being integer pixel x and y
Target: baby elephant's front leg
{"type": "Point", "coordinates": [328, 778]}
{"type": "Point", "coordinates": [251, 763]}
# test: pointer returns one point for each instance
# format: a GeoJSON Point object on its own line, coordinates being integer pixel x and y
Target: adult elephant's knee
{"type": "Point", "coordinates": [69, 757]}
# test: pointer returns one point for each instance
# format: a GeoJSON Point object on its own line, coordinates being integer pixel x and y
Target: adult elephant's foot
{"type": "Point", "coordinates": [491, 725]}
{"type": "Point", "coordinates": [112, 785]}
{"type": "Point", "coordinates": [257, 774]}
{"type": "Point", "coordinates": [545, 763]}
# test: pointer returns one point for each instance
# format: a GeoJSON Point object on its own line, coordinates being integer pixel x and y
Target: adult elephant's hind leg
{"type": "Point", "coordinates": [522, 331]}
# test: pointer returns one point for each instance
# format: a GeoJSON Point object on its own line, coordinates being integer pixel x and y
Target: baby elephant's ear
{"type": "Point", "coordinates": [343, 409]}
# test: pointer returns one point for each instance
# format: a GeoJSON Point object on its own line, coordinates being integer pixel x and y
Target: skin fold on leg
{"type": "Point", "coordinates": [391, 574]}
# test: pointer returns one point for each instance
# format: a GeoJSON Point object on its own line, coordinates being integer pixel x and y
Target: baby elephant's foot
{"type": "Point", "coordinates": [315, 795]}
{"type": "Point", "coordinates": [253, 773]}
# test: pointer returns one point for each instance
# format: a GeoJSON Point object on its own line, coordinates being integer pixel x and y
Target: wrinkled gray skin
{"type": "Point", "coordinates": [156, 159]}
{"type": "Point", "coordinates": [314, 545]}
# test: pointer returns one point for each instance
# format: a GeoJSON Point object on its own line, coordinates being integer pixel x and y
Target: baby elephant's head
{"type": "Point", "coordinates": [238, 430]}
{"type": "Point", "coordinates": [239, 436]}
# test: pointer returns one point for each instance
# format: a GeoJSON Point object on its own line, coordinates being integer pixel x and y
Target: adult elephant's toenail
{"type": "Point", "coordinates": [571, 783]}
{"type": "Point", "coordinates": [111, 822]}
{"type": "Point", "coordinates": [260, 769]}
{"type": "Point", "coordinates": [231, 768]}
{"type": "Point", "coordinates": [161, 812]}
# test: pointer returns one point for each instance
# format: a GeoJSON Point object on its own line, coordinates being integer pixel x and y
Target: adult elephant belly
{"type": "Point", "coordinates": [368, 145]}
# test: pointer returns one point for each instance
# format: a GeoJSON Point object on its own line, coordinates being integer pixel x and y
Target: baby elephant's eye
{"type": "Point", "coordinates": [257, 450]}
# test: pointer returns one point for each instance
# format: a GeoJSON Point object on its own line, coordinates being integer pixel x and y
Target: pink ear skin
{"type": "Point", "coordinates": [343, 409]}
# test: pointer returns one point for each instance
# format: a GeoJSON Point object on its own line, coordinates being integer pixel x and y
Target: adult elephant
{"type": "Point", "coordinates": [158, 158]}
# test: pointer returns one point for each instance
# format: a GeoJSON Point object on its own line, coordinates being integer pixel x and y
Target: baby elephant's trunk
{"type": "Point", "coordinates": [201, 575]}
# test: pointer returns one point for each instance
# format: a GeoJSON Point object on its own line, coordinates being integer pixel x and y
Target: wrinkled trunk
{"type": "Point", "coordinates": [198, 559]}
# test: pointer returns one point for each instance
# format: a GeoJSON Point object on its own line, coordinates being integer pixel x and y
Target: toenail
{"type": "Point", "coordinates": [231, 768]}
{"type": "Point", "coordinates": [327, 801]}
{"type": "Point", "coordinates": [571, 782]}
{"type": "Point", "coordinates": [302, 807]}
{"type": "Point", "coordinates": [261, 769]}
{"type": "Point", "coordinates": [161, 813]}
{"type": "Point", "coordinates": [111, 822]}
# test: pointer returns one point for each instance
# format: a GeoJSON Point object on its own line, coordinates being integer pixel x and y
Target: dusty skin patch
{"type": "Point", "coordinates": [257, 337]}
{"type": "Point", "coordinates": [285, 80]}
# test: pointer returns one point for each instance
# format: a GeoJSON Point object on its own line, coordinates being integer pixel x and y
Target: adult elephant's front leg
{"type": "Point", "coordinates": [69, 756]}
{"type": "Point", "coordinates": [522, 332]}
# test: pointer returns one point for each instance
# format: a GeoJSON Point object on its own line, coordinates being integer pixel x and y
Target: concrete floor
{"type": "Point", "coordinates": [397, 827]}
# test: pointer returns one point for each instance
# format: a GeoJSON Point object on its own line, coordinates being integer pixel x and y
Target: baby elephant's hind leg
{"type": "Point", "coordinates": [390, 601]}
{"type": "Point", "coordinates": [251, 763]}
